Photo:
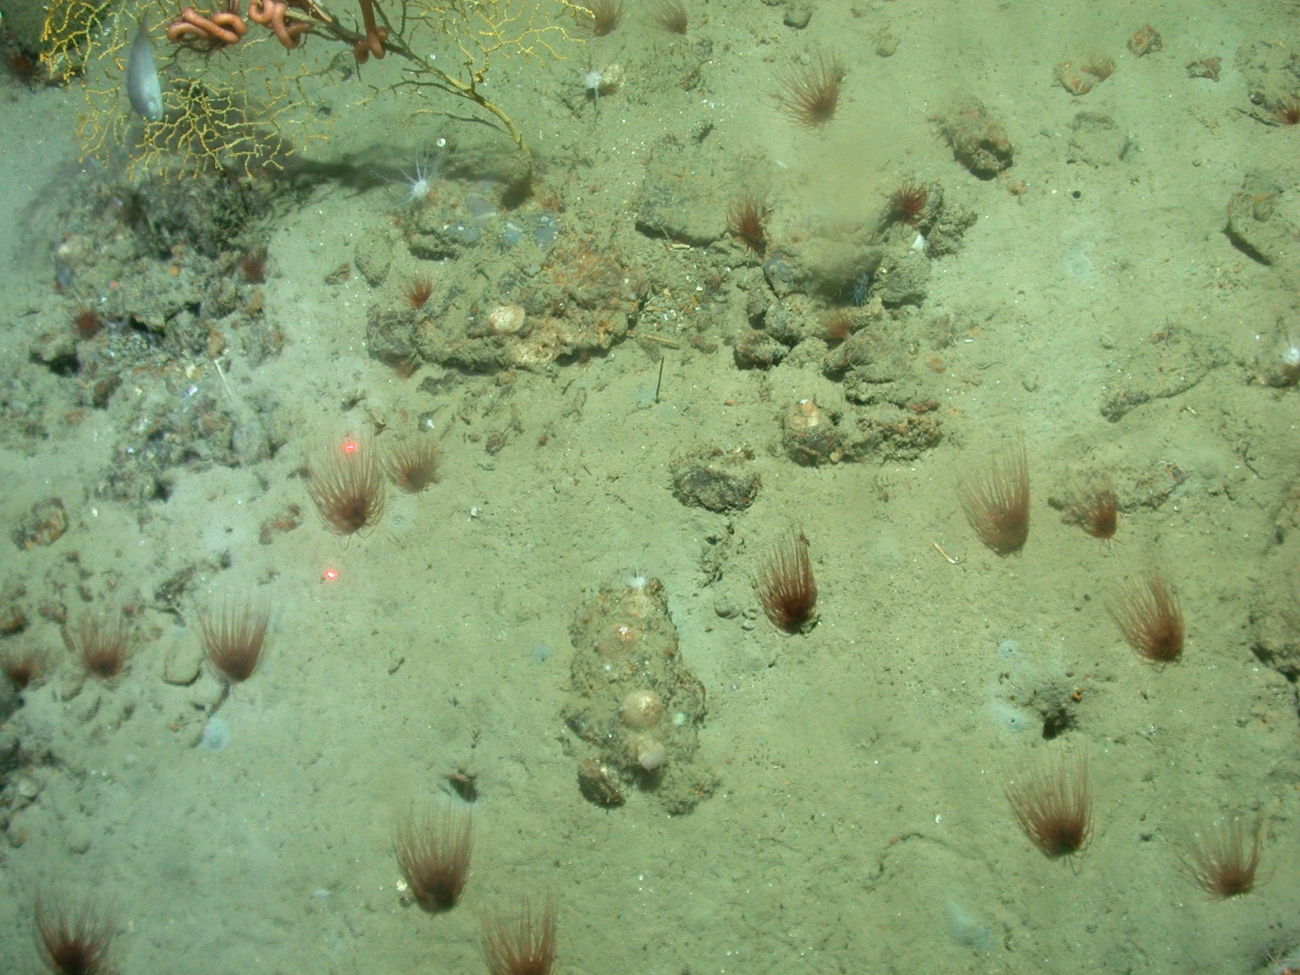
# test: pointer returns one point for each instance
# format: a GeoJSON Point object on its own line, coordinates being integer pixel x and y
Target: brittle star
{"type": "Point", "coordinates": [271, 13]}
{"type": "Point", "coordinates": [193, 29]}
{"type": "Point", "coordinates": [226, 27]}
{"type": "Point", "coordinates": [373, 43]}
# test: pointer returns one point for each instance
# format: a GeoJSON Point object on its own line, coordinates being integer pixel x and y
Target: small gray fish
{"type": "Point", "coordinates": [142, 85]}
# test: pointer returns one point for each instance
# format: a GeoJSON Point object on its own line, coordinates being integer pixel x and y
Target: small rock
{"type": "Point", "coordinates": [46, 522]}
{"type": "Point", "coordinates": [55, 347]}
{"type": "Point", "coordinates": [810, 436]}
{"type": "Point", "coordinates": [374, 257]}
{"type": "Point", "coordinates": [978, 141]}
{"type": "Point", "coordinates": [390, 335]}
{"type": "Point", "coordinates": [219, 299]}
{"type": "Point", "coordinates": [797, 15]}
{"type": "Point", "coordinates": [1205, 68]}
{"type": "Point", "coordinates": [182, 665]}
{"type": "Point", "coordinates": [250, 442]}
{"type": "Point", "coordinates": [904, 280]}
{"type": "Point", "coordinates": [1080, 78]}
{"type": "Point", "coordinates": [505, 319]}
{"type": "Point", "coordinates": [715, 479]}
{"type": "Point", "coordinates": [12, 619]}
{"type": "Point", "coordinates": [779, 272]}
{"type": "Point", "coordinates": [783, 323]}
{"type": "Point", "coordinates": [597, 784]}
{"type": "Point", "coordinates": [433, 239]}
{"type": "Point", "coordinates": [676, 195]}
{"type": "Point", "coordinates": [75, 251]}
{"type": "Point", "coordinates": [758, 350]}
{"type": "Point", "coordinates": [1144, 41]}
{"type": "Point", "coordinates": [1256, 223]}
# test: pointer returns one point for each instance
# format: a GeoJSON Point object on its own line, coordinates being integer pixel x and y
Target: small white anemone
{"type": "Point", "coordinates": [419, 184]}
{"type": "Point", "coordinates": [637, 580]}
{"type": "Point", "coordinates": [595, 84]}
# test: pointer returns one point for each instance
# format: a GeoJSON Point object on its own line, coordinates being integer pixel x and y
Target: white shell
{"type": "Point", "coordinates": [642, 709]}
{"type": "Point", "coordinates": [505, 319]}
{"type": "Point", "coordinates": [650, 754]}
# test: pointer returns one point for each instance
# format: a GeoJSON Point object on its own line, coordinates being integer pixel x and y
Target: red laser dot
{"type": "Point", "coordinates": [349, 446]}
{"type": "Point", "coordinates": [330, 575]}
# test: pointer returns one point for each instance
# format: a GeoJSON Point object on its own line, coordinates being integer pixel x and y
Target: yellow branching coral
{"type": "Point", "coordinates": [233, 77]}
{"type": "Point", "coordinates": [474, 32]}
{"type": "Point", "coordinates": [479, 30]}
{"type": "Point", "coordinates": [220, 114]}
{"type": "Point", "coordinates": [66, 35]}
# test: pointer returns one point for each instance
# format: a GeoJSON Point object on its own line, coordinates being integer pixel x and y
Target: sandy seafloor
{"type": "Point", "coordinates": [860, 824]}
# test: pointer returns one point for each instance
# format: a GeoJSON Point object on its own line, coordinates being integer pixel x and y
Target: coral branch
{"type": "Point", "coordinates": [231, 108]}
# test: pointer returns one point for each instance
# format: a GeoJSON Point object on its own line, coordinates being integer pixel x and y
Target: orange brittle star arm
{"type": "Point", "coordinates": [375, 36]}
{"type": "Point", "coordinates": [271, 13]}
{"type": "Point", "coordinates": [221, 28]}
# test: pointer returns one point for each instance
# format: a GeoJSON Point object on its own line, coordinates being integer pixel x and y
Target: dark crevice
{"type": "Point", "coordinates": [1057, 721]}
{"type": "Point", "coordinates": [62, 365]}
